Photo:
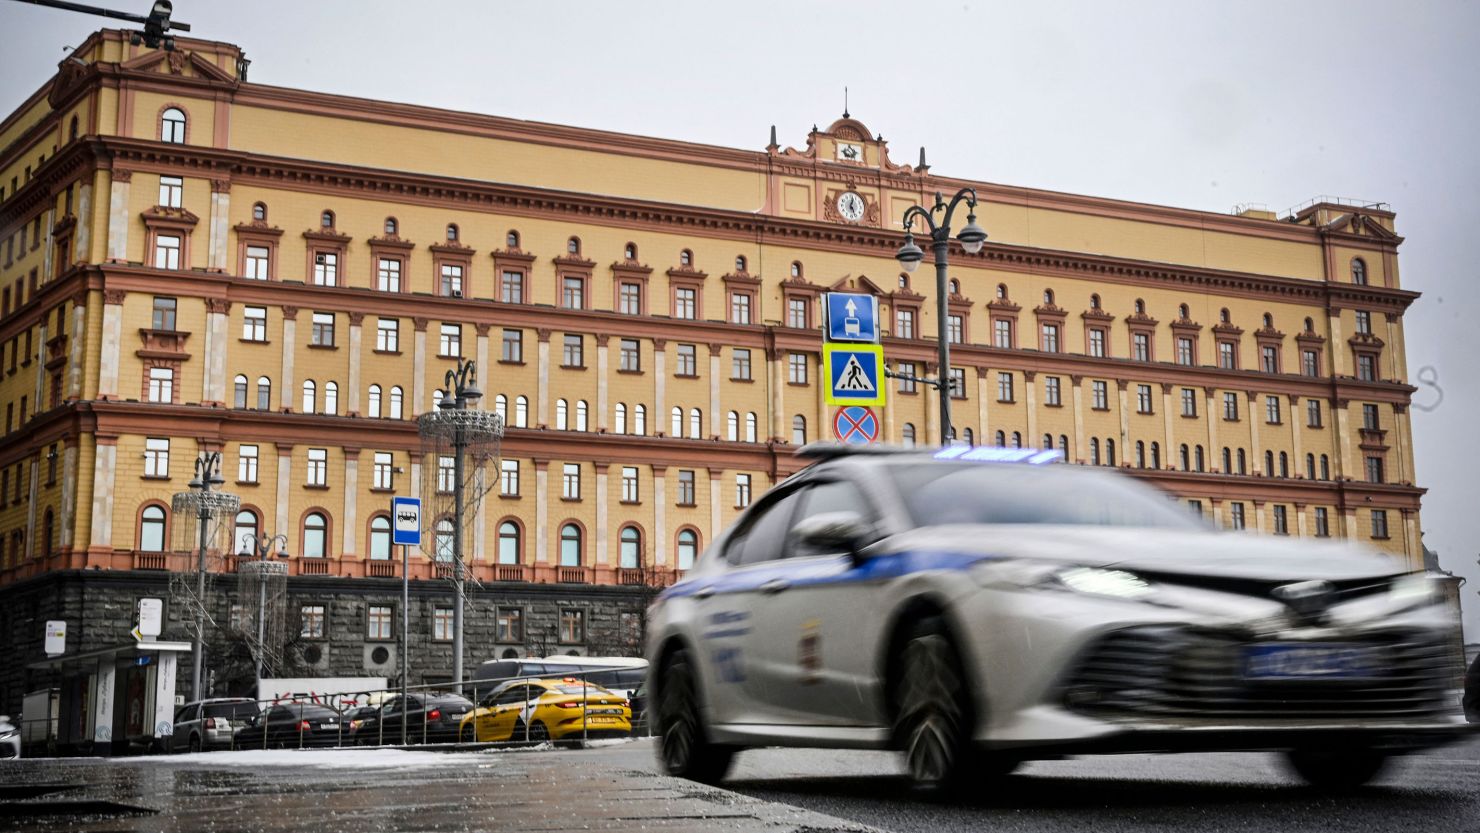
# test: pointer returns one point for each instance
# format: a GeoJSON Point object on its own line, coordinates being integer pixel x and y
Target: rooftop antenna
{"type": "Point", "coordinates": [845, 102]}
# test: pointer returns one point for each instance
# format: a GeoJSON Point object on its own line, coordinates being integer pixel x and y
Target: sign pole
{"type": "Point", "coordinates": [405, 617]}
{"type": "Point", "coordinates": [405, 530]}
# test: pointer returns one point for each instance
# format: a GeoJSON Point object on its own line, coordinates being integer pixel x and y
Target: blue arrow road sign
{"type": "Point", "coordinates": [406, 520]}
{"type": "Point", "coordinates": [852, 317]}
{"type": "Point", "coordinates": [854, 374]}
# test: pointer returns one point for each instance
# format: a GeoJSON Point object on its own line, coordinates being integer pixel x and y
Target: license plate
{"type": "Point", "coordinates": [1284, 661]}
{"type": "Point", "coordinates": [602, 720]}
{"type": "Point", "coordinates": [603, 711]}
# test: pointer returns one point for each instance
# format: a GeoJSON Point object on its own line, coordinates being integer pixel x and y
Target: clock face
{"type": "Point", "coordinates": [850, 206]}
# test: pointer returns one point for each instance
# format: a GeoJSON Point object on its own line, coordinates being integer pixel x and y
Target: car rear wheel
{"type": "Point", "coordinates": [468, 734]}
{"type": "Point", "coordinates": [683, 748]}
{"type": "Point", "coordinates": [539, 732]}
{"type": "Point", "coordinates": [1337, 768]}
{"type": "Point", "coordinates": [934, 719]}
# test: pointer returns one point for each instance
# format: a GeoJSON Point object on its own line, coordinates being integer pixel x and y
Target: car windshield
{"type": "Point", "coordinates": [938, 494]}
{"type": "Point", "coordinates": [232, 711]}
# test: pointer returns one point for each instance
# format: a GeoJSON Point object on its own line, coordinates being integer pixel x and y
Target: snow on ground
{"type": "Point", "coordinates": [367, 758]}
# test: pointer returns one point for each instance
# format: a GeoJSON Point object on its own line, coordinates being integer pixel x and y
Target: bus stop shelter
{"type": "Point", "coordinates": [109, 699]}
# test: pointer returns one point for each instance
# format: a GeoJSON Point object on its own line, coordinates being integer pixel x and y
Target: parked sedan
{"type": "Point", "coordinates": [428, 718]}
{"type": "Point", "coordinates": [293, 724]}
{"type": "Point", "coordinates": [210, 724]}
{"type": "Point", "coordinates": [566, 710]}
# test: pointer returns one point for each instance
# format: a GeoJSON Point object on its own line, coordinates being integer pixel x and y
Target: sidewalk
{"type": "Point", "coordinates": [354, 790]}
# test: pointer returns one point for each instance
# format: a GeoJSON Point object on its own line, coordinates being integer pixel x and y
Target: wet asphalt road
{"type": "Point", "coordinates": [1435, 792]}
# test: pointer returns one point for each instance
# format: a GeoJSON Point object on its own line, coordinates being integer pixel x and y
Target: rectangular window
{"type": "Point", "coordinates": [904, 323]}
{"type": "Point", "coordinates": [1369, 418]}
{"type": "Point", "coordinates": [739, 308]}
{"type": "Point", "coordinates": [442, 624]}
{"type": "Point", "coordinates": [958, 383]}
{"type": "Point", "coordinates": [1196, 507]}
{"type": "Point", "coordinates": [1143, 399]}
{"type": "Point", "coordinates": [1097, 343]}
{"type": "Point", "coordinates": [686, 363]}
{"type": "Point", "coordinates": [254, 323]}
{"type": "Point", "coordinates": [511, 346]}
{"type": "Point", "coordinates": [156, 457]}
{"type": "Point", "coordinates": [1364, 322]}
{"type": "Point", "coordinates": [1269, 357]}
{"type": "Point", "coordinates": [1236, 515]}
{"type": "Point", "coordinates": [685, 300]}
{"type": "Point", "coordinates": [318, 467]}
{"type": "Point", "coordinates": [629, 484]}
{"type": "Point", "coordinates": [1310, 363]}
{"type": "Point", "coordinates": [1002, 333]}
{"type": "Point", "coordinates": [573, 293]}
{"type": "Point", "coordinates": [1230, 406]}
{"type": "Point", "coordinates": [686, 487]}
{"type": "Point", "coordinates": [796, 368]}
{"type": "Point", "coordinates": [570, 481]}
{"type": "Point", "coordinates": [388, 274]}
{"type": "Point", "coordinates": [171, 188]}
{"type": "Point", "coordinates": [510, 625]}
{"type": "Point", "coordinates": [1004, 387]}
{"type": "Point", "coordinates": [1281, 522]}
{"type": "Point", "coordinates": [164, 314]}
{"type": "Point", "coordinates": [383, 474]}
{"type": "Point", "coordinates": [452, 280]}
{"type": "Point", "coordinates": [1051, 338]}
{"type": "Point", "coordinates": [629, 298]}
{"type": "Point", "coordinates": [955, 329]}
{"type": "Point", "coordinates": [1379, 523]}
{"type": "Point", "coordinates": [326, 269]}
{"type": "Point", "coordinates": [740, 364]}
{"type": "Point", "coordinates": [511, 287]}
{"type": "Point", "coordinates": [259, 259]}
{"type": "Point", "coordinates": [1141, 347]}
{"type": "Point", "coordinates": [388, 335]}
{"type": "Point", "coordinates": [573, 351]}
{"type": "Point", "coordinates": [1374, 470]}
{"type": "Point", "coordinates": [161, 384]}
{"type": "Point", "coordinates": [572, 625]}
{"type": "Point", "coordinates": [1272, 410]}
{"type": "Point", "coordinates": [1189, 402]}
{"type": "Point", "coordinates": [1052, 392]}
{"type": "Point", "coordinates": [378, 622]}
{"type": "Point", "coordinates": [508, 477]}
{"type": "Point", "coordinates": [629, 355]}
{"type": "Point", "coordinates": [1184, 350]}
{"type": "Point", "coordinates": [1313, 413]}
{"type": "Point", "coordinates": [446, 474]}
{"type": "Point", "coordinates": [246, 464]}
{"type": "Point", "coordinates": [449, 344]}
{"type": "Point", "coordinates": [907, 374]}
{"type": "Point", "coordinates": [312, 620]}
{"type": "Point", "coordinates": [1227, 355]}
{"type": "Point", "coordinates": [1099, 396]}
{"type": "Point", "coordinates": [1366, 368]}
{"type": "Point", "coordinates": [796, 313]}
{"type": "Point", "coordinates": [322, 333]}
{"type": "Point", "coordinates": [742, 491]}
{"type": "Point", "coordinates": [1323, 523]}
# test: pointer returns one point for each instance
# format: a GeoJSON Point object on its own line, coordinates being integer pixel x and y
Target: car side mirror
{"type": "Point", "coordinates": [834, 531]}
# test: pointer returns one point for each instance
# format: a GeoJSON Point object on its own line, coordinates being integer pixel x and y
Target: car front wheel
{"type": "Point", "coordinates": [934, 719]}
{"type": "Point", "coordinates": [1337, 768]}
{"type": "Point", "coordinates": [683, 748]}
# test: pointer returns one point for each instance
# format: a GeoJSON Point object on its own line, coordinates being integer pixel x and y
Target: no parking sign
{"type": "Point", "coordinates": [856, 425]}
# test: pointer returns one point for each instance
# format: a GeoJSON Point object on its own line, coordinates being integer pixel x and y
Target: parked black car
{"type": "Point", "coordinates": [294, 724]}
{"type": "Point", "coordinates": [429, 718]}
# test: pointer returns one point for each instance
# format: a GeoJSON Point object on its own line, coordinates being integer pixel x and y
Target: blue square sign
{"type": "Point", "coordinates": [854, 373]}
{"type": "Point", "coordinates": [406, 521]}
{"type": "Point", "coordinates": [852, 317]}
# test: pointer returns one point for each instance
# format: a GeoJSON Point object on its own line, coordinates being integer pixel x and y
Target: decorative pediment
{"type": "Point", "coordinates": [71, 73]}
{"type": "Point", "coordinates": [1095, 315]}
{"type": "Point", "coordinates": [162, 215]}
{"type": "Point", "coordinates": [741, 279]}
{"type": "Point", "coordinates": [846, 142]}
{"type": "Point", "coordinates": [1269, 334]}
{"type": "Point", "coordinates": [178, 62]}
{"type": "Point", "coordinates": [1186, 325]}
{"type": "Point", "coordinates": [326, 235]}
{"type": "Point", "coordinates": [1228, 330]}
{"type": "Point", "coordinates": [683, 273]}
{"type": "Point", "coordinates": [162, 344]}
{"type": "Point", "coordinates": [1050, 311]}
{"type": "Point", "coordinates": [391, 241]}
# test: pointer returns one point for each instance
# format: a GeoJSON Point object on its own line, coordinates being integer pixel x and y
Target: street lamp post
{"type": "Point", "coordinates": [207, 474]}
{"type": "Point", "coordinates": [262, 547]}
{"type": "Point", "coordinates": [972, 238]}
{"type": "Point", "coordinates": [460, 393]}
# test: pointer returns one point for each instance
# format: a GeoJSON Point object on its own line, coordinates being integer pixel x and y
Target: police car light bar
{"type": "Point", "coordinates": [993, 454]}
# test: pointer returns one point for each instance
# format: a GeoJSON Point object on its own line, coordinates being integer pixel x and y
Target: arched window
{"type": "Point", "coordinates": [373, 402]}
{"type": "Point", "coordinates": [955, 286]}
{"type": "Point", "coordinates": [1325, 467]}
{"type": "Point", "coordinates": [442, 548]}
{"type": "Point", "coordinates": [315, 536]}
{"type": "Point", "coordinates": [740, 263]}
{"type": "Point", "coordinates": [908, 434]}
{"type": "Point", "coordinates": [501, 407]}
{"type": "Point", "coordinates": [696, 423]}
{"type": "Point", "coordinates": [508, 543]}
{"type": "Point", "coordinates": [1184, 459]}
{"type": "Point", "coordinates": [1243, 467]}
{"type": "Point", "coordinates": [1109, 452]}
{"type": "Point", "coordinates": [1140, 307]}
{"type": "Point", "coordinates": [1048, 297]}
{"type": "Point", "coordinates": [581, 411]}
{"type": "Point", "coordinates": [799, 430]}
{"type": "Point", "coordinates": [1001, 439]}
{"type": "Point", "coordinates": [796, 269]}
{"type": "Point", "coordinates": [1064, 445]}
{"type": "Point", "coordinates": [1183, 312]}
{"type": "Point", "coordinates": [685, 258]}
{"type": "Point", "coordinates": [521, 411]}
{"type": "Point", "coordinates": [1197, 459]}
{"type": "Point", "coordinates": [172, 126]}
{"type": "Point", "coordinates": [391, 227]}
{"type": "Point", "coordinates": [245, 534]}
{"type": "Point", "coordinates": [1156, 455]}
{"type": "Point", "coordinates": [1094, 301]}
{"type": "Point", "coordinates": [619, 421]}
{"type": "Point", "coordinates": [1017, 439]}
{"type": "Point", "coordinates": [1047, 441]}
{"type": "Point", "coordinates": [570, 546]}
{"type": "Point", "coordinates": [394, 410]}
{"type": "Point", "coordinates": [904, 281]}
{"type": "Point", "coordinates": [1310, 326]}
{"type": "Point", "coordinates": [239, 391]}
{"type": "Point", "coordinates": [264, 393]}
{"type": "Point", "coordinates": [1269, 464]}
{"type": "Point", "coordinates": [380, 538]}
{"type": "Point", "coordinates": [331, 398]}
{"type": "Point", "coordinates": [1359, 271]}
{"type": "Point", "coordinates": [1268, 321]}
{"type": "Point", "coordinates": [1227, 460]}
{"type": "Point", "coordinates": [1002, 291]}
{"type": "Point", "coordinates": [452, 232]}
{"type": "Point", "coordinates": [639, 419]}
{"type": "Point", "coordinates": [1223, 317]}
{"type": "Point", "coordinates": [561, 416]}
{"type": "Point", "coordinates": [72, 129]}
{"type": "Point", "coordinates": [310, 397]}
{"type": "Point", "coordinates": [1284, 464]}
{"type": "Point", "coordinates": [732, 426]}
{"type": "Point", "coordinates": [326, 219]}
{"type": "Point", "coordinates": [750, 426]}
{"type": "Point", "coordinates": [1094, 451]}
{"type": "Point", "coordinates": [1140, 454]}
{"type": "Point", "coordinates": [968, 436]}
{"type": "Point", "coordinates": [573, 246]}
{"type": "Point", "coordinates": [630, 555]}
{"type": "Point", "coordinates": [675, 422]}
{"type": "Point", "coordinates": [259, 212]}
{"type": "Point", "coordinates": [151, 528]}
{"type": "Point", "coordinates": [436, 399]}
{"type": "Point", "coordinates": [688, 548]}
{"type": "Point", "coordinates": [629, 251]}
{"type": "Point", "coordinates": [1310, 467]}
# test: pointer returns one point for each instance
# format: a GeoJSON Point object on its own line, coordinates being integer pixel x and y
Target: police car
{"type": "Point", "coordinates": [976, 610]}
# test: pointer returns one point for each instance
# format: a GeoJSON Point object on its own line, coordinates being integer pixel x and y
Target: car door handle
{"type": "Point", "coordinates": [704, 592]}
{"type": "Point", "coordinates": [774, 586]}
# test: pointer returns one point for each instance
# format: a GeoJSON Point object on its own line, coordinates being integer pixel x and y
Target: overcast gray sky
{"type": "Point", "coordinates": [1178, 103]}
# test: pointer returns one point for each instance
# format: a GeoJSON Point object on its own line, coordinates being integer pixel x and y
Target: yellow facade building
{"type": "Point", "coordinates": [192, 262]}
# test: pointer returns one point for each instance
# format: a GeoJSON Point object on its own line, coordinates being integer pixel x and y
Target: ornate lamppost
{"type": "Point", "coordinates": [262, 570]}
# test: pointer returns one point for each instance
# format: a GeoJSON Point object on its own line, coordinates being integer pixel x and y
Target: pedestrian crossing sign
{"type": "Point", "coordinates": [855, 374]}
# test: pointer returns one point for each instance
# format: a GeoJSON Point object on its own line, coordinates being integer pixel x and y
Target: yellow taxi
{"type": "Point", "coordinates": [535, 711]}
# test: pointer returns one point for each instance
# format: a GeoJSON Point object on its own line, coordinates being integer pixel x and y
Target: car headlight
{"type": "Point", "coordinates": [1102, 582]}
{"type": "Point", "coordinates": [1040, 575]}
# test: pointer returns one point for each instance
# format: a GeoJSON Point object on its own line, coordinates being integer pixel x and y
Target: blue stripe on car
{"type": "Point", "coordinates": [803, 572]}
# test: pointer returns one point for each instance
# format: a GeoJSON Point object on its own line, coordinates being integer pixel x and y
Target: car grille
{"type": "Point", "coordinates": [1188, 673]}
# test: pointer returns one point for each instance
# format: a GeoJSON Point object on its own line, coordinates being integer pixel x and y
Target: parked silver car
{"type": "Point", "coordinates": [210, 724]}
{"type": "Point", "coordinates": [977, 613]}
{"type": "Point", "coordinates": [10, 738]}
